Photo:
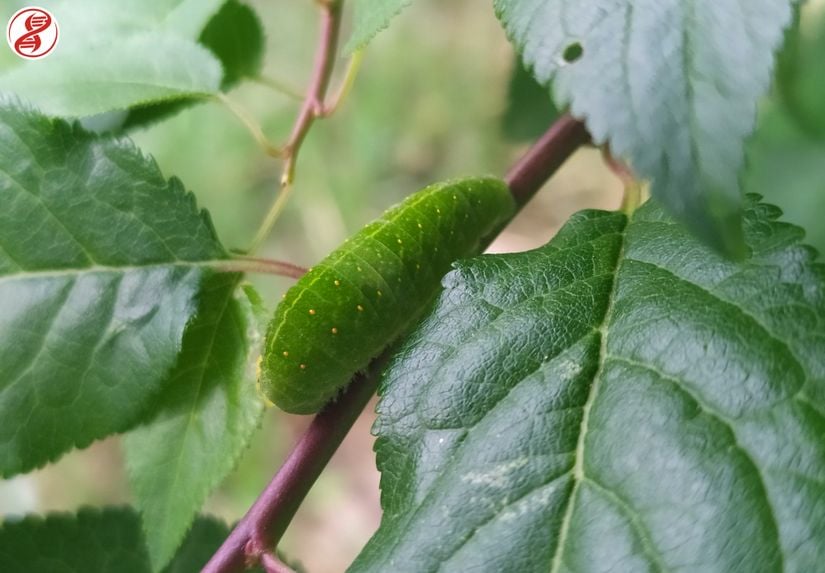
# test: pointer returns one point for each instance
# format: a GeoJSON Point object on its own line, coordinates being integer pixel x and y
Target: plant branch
{"type": "Point", "coordinates": [633, 191]}
{"type": "Point", "coordinates": [251, 125]}
{"type": "Point", "coordinates": [264, 524]}
{"type": "Point", "coordinates": [544, 158]}
{"type": "Point", "coordinates": [268, 518]}
{"type": "Point", "coordinates": [311, 109]}
{"type": "Point", "coordinates": [263, 266]}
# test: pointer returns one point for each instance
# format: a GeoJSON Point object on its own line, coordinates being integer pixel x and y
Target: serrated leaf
{"type": "Point", "coordinates": [786, 164]}
{"type": "Point", "coordinates": [671, 85]}
{"type": "Point", "coordinates": [372, 16]}
{"type": "Point", "coordinates": [204, 419]}
{"type": "Point", "coordinates": [101, 261]}
{"type": "Point", "coordinates": [204, 538]}
{"type": "Point", "coordinates": [235, 35]}
{"type": "Point", "coordinates": [97, 541]}
{"type": "Point", "coordinates": [620, 399]}
{"type": "Point", "coordinates": [114, 56]}
{"type": "Point", "coordinates": [92, 541]}
{"type": "Point", "coordinates": [108, 76]}
{"type": "Point", "coordinates": [530, 109]}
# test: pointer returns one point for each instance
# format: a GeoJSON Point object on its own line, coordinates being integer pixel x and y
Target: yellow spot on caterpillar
{"type": "Point", "coordinates": [455, 197]}
{"type": "Point", "coordinates": [309, 270]}
{"type": "Point", "coordinates": [399, 241]}
{"type": "Point", "coordinates": [303, 367]}
{"type": "Point", "coordinates": [283, 295]}
{"type": "Point", "coordinates": [337, 283]}
{"type": "Point", "coordinates": [417, 266]}
{"type": "Point", "coordinates": [420, 226]}
{"type": "Point", "coordinates": [286, 353]}
{"type": "Point", "coordinates": [312, 311]}
{"type": "Point", "coordinates": [378, 292]}
{"type": "Point", "coordinates": [360, 308]}
{"type": "Point", "coordinates": [334, 330]}
{"type": "Point", "coordinates": [258, 367]}
{"type": "Point", "coordinates": [438, 210]}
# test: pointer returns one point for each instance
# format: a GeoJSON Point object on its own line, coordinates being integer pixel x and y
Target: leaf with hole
{"type": "Point", "coordinates": [671, 85]}
{"type": "Point", "coordinates": [356, 301]}
{"type": "Point", "coordinates": [623, 399]}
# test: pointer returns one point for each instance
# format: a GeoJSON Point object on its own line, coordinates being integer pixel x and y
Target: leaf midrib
{"type": "Point", "coordinates": [217, 264]}
{"type": "Point", "coordinates": [577, 473]}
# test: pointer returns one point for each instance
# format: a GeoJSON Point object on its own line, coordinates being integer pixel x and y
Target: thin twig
{"type": "Point", "coordinates": [251, 126]}
{"type": "Point", "coordinates": [311, 110]}
{"type": "Point", "coordinates": [272, 564]}
{"type": "Point", "coordinates": [345, 88]}
{"type": "Point", "coordinates": [271, 216]}
{"type": "Point", "coordinates": [263, 266]}
{"type": "Point", "coordinates": [264, 524]}
{"type": "Point", "coordinates": [279, 86]}
{"type": "Point", "coordinates": [632, 196]}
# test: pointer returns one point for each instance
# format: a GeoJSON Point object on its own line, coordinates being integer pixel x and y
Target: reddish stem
{"type": "Point", "coordinates": [264, 524]}
{"type": "Point", "coordinates": [268, 518]}
{"type": "Point", "coordinates": [544, 158]}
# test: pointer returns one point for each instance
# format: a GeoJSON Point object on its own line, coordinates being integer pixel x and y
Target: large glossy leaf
{"type": "Point", "coordinates": [97, 541]}
{"type": "Point", "coordinates": [672, 85]}
{"type": "Point", "coordinates": [114, 56]}
{"type": "Point", "coordinates": [372, 16]}
{"type": "Point", "coordinates": [101, 262]}
{"type": "Point", "coordinates": [622, 399]}
{"type": "Point", "coordinates": [205, 417]}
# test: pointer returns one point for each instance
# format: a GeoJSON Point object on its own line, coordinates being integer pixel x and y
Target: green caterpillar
{"type": "Point", "coordinates": [361, 297]}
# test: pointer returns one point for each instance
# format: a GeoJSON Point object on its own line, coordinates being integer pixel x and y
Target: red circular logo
{"type": "Point", "coordinates": [32, 33]}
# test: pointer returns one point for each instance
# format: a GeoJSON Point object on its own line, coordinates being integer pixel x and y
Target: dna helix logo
{"type": "Point", "coordinates": [32, 32]}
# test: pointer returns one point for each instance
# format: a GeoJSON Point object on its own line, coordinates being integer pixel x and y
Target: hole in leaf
{"type": "Point", "coordinates": [572, 53]}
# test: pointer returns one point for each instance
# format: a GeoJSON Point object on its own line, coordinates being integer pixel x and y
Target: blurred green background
{"type": "Point", "coordinates": [429, 104]}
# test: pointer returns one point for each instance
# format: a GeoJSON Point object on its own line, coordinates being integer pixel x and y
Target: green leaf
{"type": "Point", "coordinates": [620, 399]}
{"type": "Point", "coordinates": [204, 419]}
{"type": "Point", "coordinates": [235, 35]}
{"type": "Point", "coordinates": [372, 16]}
{"type": "Point", "coordinates": [97, 541]}
{"type": "Point", "coordinates": [114, 57]}
{"type": "Point", "coordinates": [101, 261]}
{"type": "Point", "coordinates": [203, 539]}
{"type": "Point", "coordinates": [800, 80]}
{"type": "Point", "coordinates": [92, 541]}
{"type": "Point", "coordinates": [530, 109]}
{"type": "Point", "coordinates": [673, 89]}
{"type": "Point", "coordinates": [786, 164]}
{"type": "Point", "coordinates": [75, 84]}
